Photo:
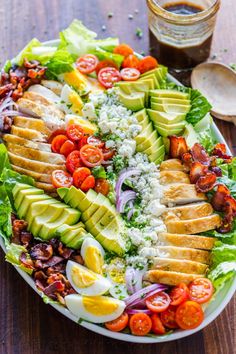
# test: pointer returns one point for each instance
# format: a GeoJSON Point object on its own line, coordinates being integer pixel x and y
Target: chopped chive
{"type": "Point", "coordinates": [139, 32]}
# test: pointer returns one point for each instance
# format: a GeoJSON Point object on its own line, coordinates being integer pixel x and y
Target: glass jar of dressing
{"type": "Point", "coordinates": [181, 31]}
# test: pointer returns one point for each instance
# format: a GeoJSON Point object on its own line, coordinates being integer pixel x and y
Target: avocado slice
{"type": "Point", "coordinates": [159, 72]}
{"type": "Point", "coordinates": [27, 201]}
{"type": "Point", "coordinates": [157, 154]}
{"type": "Point", "coordinates": [71, 234]}
{"type": "Point", "coordinates": [93, 207]}
{"type": "Point", "coordinates": [61, 230]}
{"type": "Point", "coordinates": [77, 241]}
{"type": "Point", "coordinates": [62, 192]}
{"type": "Point", "coordinates": [169, 94]}
{"type": "Point", "coordinates": [160, 159]}
{"type": "Point", "coordinates": [155, 146]}
{"type": "Point", "coordinates": [74, 197]}
{"type": "Point", "coordinates": [165, 118]}
{"type": "Point", "coordinates": [19, 187]}
{"type": "Point", "coordinates": [165, 100]}
{"type": "Point", "coordinates": [148, 142]}
{"type": "Point", "coordinates": [133, 101]}
{"type": "Point", "coordinates": [40, 207]}
{"type": "Point", "coordinates": [144, 134]}
{"type": "Point", "coordinates": [170, 108]}
{"type": "Point", "coordinates": [23, 193]}
{"type": "Point", "coordinates": [151, 76]}
{"type": "Point", "coordinates": [167, 130]}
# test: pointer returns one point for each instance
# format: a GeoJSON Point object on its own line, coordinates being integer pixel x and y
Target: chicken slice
{"type": "Point", "coordinates": [182, 194]}
{"type": "Point", "coordinates": [190, 241]}
{"type": "Point", "coordinates": [29, 134]}
{"type": "Point", "coordinates": [45, 92]}
{"type": "Point", "coordinates": [40, 177]}
{"type": "Point", "coordinates": [32, 123]}
{"type": "Point", "coordinates": [194, 226]}
{"type": "Point", "coordinates": [179, 265]}
{"type": "Point", "coordinates": [170, 278]}
{"type": "Point", "coordinates": [52, 85]}
{"type": "Point", "coordinates": [172, 177]}
{"type": "Point", "coordinates": [172, 165]}
{"type": "Point", "coordinates": [190, 211]}
{"type": "Point", "coordinates": [45, 186]}
{"type": "Point", "coordinates": [9, 138]}
{"type": "Point", "coordinates": [180, 253]}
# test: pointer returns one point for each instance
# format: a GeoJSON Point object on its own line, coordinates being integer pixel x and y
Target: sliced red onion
{"type": "Point", "coordinates": [141, 295]}
{"type": "Point", "coordinates": [9, 113]}
{"type": "Point", "coordinates": [131, 211]}
{"type": "Point", "coordinates": [134, 279]}
{"type": "Point", "coordinates": [123, 199]}
{"type": "Point", "coordinates": [126, 173]}
{"type": "Point", "coordinates": [134, 311]}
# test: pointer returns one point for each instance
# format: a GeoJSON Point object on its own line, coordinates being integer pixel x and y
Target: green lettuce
{"type": "Point", "coordinates": [41, 53]}
{"type": "Point", "coordinates": [4, 160]}
{"type": "Point", "coordinates": [13, 256]}
{"type": "Point", "coordinates": [5, 214]}
{"type": "Point", "coordinates": [205, 133]}
{"type": "Point", "coordinates": [223, 273]}
{"type": "Point", "coordinates": [231, 184]}
{"type": "Point", "coordinates": [19, 59]}
{"type": "Point", "coordinates": [99, 172]}
{"type": "Point", "coordinates": [223, 252]}
{"type": "Point", "coordinates": [61, 62]}
{"type": "Point", "coordinates": [228, 169]}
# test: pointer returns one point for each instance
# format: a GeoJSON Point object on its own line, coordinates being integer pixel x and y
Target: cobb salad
{"type": "Point", "coordinates": [115, 196]}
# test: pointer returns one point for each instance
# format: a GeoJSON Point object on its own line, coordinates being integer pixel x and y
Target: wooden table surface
{"type": "Point", "coordinates": [27, 325]}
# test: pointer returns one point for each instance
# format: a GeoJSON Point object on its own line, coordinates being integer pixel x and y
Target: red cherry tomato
{"type": "Point", "coordinates": [146, 64]}
{"type": "Point", "coordinates": [57, 143]}
{"type": "Point", "coordinates": [67, 148]}
{"type": "Point", "coordinates": [179, 294]}
{"type": "Point", "coordinates": [88, 183]}
{"type": "Point", "coordinates": [80, 175]}
{"type": "Point", "coordinates": [91, 156]}
{"type": "Point", "coordinates": [73, 161]}
{"type": "Point", "coordinates": [87, 64]}
{"type": "Point", "coordinates": [158, 302]}
{"type": "Point", "coordinates": [93, 140]}
{"type": "Point", "coordinates": [107, 154]}
{"type": "Point", "coordinates": [119, 323]}
{"type": "Point", "coordinates": [55, 133]}
{"type": "Point", "coordinates": [82, 141]}
{"type": "Point", "coordinates": [168, 318]}
{"type": "Point", "coordinates": [189, 315]}
{"type": "Point", "coordinates": [102, 186]}
{"type": "Point", "coordinates": [123, 49]}
{"type": "Point", "coordinates": [61, 179]}
{"type": "Point", "coordinates": [201, 290]}
{"type": "Point", "coordinates": [157, 326]}
{"type": "Point", "coordinates": [140, 324]}
{"type": "Point", "coordinates": [129, 74]}
{"type": "Point", "coordinates": [108, 76]}
{"type": "Point", "coordinates": [74, 132]}
{"type": "Point", "coordinates": [131, 61]}
{"type": "Point", "coordinates": [104, 64]}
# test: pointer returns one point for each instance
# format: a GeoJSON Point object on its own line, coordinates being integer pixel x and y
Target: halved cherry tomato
{"type": "Point", "coordinates": [93, 140]}
{"type": "Point", "coordinates": [168, 318]}
{"type": "Point", "coordinates": [74, 132]}
{"type": "Point", "coordinates": [108, 76]}
{"type": "Point", "coordinates": [55, 133]}
{"type": "Point", "coordinates": [131, 61]}
{"type": "Point", "coordinates": [91, 156]}
{"type": "Point", "coordinates": [123, 49]}
{"type": "Point", "coordinates": [157, 326]}
{"type": "Point", "coordinates": [189, 315]}
{"type": "Point", "coordinates": [82, 141]}
{"type": "Point", "coordinates": [130, 74]}
{"type": "Point", "coordinates": [73, 161]}
{"type": "Point", "coordinates": [57, 142]}
{"type": "Point", "coordinates": [147, 63]}
{"type": "Point", "coordinates": [179, 294]}
{"type": "Point", "coordinates": [87, 64]}
{"type": "Point", "coordinates": [67, 148]}
{"type": "Point", "coordinates": [107, 154]}
{"type": "Point", "coordinates": [80, 175]}
{"type": "Point", "coordinates": [158, 302]}
{"type": "Point", "coordinates": [104, 64]}
{"type": "Point", "coordinates": [102, 186]}
{"type": "Point", "coordinates": [88, 183]}
{"type": "Point", "coordinates": [140, 324]}
{"type": "Point", "coordinates": [61, 179]}
{"type": "Point", "coordinates": [201, 290]}
{"type": "Point", "coordinates": [119, 323]}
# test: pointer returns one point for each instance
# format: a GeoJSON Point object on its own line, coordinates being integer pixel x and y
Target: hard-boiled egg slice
{"type": "Point", "coordinates": [88, 127]}
{"type": "Point", "coordinates": [116, 274]}
{"type": "Point", "coordinates": [71, 101]}
{"type": "Point", "coordinates": [86, 282]}
{"type": "Point", "coordinates": [93, 255]}
{"type": "Point", "coordinates": [97, 309]}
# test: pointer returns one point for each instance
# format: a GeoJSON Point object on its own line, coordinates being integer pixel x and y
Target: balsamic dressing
{"type": "Point", "coordinates": [184, 57]}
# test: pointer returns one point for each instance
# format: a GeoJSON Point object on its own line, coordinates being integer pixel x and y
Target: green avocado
{"type": "Point", "coordinates": [93, 207]}
{"type": "Point", "coordinates": [159, 72]}
{"type": "Point", "coordinates": [140, 138]}
{"type": "Point", "coordinates": [40, 207]}
{"type": "Point", "coordinates": [170, 108]}
{"type": "Point", "coordinates": [157, 154]}
{"type": "Point", "coordinates": [165, 118]}
{"type": "Point", "coordinates": [19, 187]}
{"type": "Point", "coordinates": [62, 230]}
{"type": "Point", "coordinates": [78, 240]}
{"type": "Point", "coordinates": [133, 86]}
{"type": "Point", "coordinates": [167, 130]}
{"type": "Point", "coordinates": [155, 146]}
{"type": "Point", "coordinates": [165, 100]}
{"type": "Point", "coordinates": [160, 159]}
{"type": "Point", "coordinates": [151, 76]}
{"type": "Point", "coordinates": [74, 197]}
{"type": "Point", "coordinates": [18, 199]}
{"type": "Point", "coordinates": [133, 101]}
{"type": "Point", "coordinates": [62, 192]}
{"type": "Point", "coordinates": [148, 142]}
{"type": "Point", "coordinates": [27, 201]}
{"type": "Point", "coordinates": [169, 94]}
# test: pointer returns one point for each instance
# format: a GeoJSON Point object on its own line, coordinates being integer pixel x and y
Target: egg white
{"type": "Point", "coordinates": [75, 303]}
{"type": "Point", "coordinates": [100, 285]}
{"type": "Point", "coordinates": [91, 242]}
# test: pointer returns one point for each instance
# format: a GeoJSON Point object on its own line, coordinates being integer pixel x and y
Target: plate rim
{"type": "Point", "coordinates": [129, 337]}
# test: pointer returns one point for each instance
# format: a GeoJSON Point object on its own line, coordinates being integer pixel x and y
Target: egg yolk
{"type": "Point", "coordinates": [82, 278]}
{"type": "Point", "coordinates": [93, 259]}
{"type": "Point", "coordinates": [76, 102]}
{"type": "Point", "coordinates": [99, 305]}
{"type": "Point", "coordinates": [116, 270]}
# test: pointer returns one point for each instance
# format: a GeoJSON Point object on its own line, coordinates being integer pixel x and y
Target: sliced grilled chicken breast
{"type": "Point", "coordinates": [183, 253]}
{"type": "Point", "coordinates": [37, 166]}
{"type": "Point", "coordinates": [190, 211]}
{"type": "Point", "coordinates": [170, 278]}
{"type": "Point", "coordinates": [172, 177]}
{"type": "Point", "coordinates": [191, 241]}
{"type": "Point", "coordinates": [40, 177]}
{"type": "Point", "coordinates": [179, 265]}
{"type": "Point", "coordinates": [9, 138]}
{"type": "Point", "coordinates": [29, 134]}
{"type": "Point", "coordinates": [45, 92]}
{"type": "Point", "coordinates": [37, 155]}
{"type": "Point", "coordinates": [182, 194]}
{"type": "Point", "coordinates": [172, 165]}
{"type": "Point", "coordinates": [52, 85]}
{"type": "Point", "coordinates": [45, 186]}
{"type": "Point", "coordinates": [194, 226]}
{"type": "Point", "coordinates": [32, 123]}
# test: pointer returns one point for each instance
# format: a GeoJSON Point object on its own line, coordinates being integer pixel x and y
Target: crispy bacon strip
{"type": "Point", "coordinates": [219, 147]}
{"type": "Point", "coordinates": [178, 146]}
{"type": "Point", "coordinates": [41, 251]}
{"type": "Point", "coordinates": [197, 170]}
{"type": "Point", "coordinates": [218, 199]}
{"type": "Point", "coordinates": [199, 154]}
{"type": "Point", "coordinates": [57, 286]}
{"type": "Point", "coordinates": [28, 263]}
{"type": "Point", "coordinates": [205, 183]}
{"type": "Point", "coordinates": [217, 171]}
{"type": "Point", "coordinates": [187, 159]}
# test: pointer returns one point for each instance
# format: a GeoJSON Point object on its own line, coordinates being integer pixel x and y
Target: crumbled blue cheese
{"type": "Point", "coordinates": [89, 112]}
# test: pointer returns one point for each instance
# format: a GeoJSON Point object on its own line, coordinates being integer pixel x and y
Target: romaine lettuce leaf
{"type": "Point", "coordinates": [61, 62]}
{"type": "Point", "coordinates": [4, 160]}
{"type": "Point", "coordinates": [5, 214]}
{"type": "Point", "coordinates": [19, 59]}
{"type": "Point", "coordinates": [223, 252]}
{"type": "Point", "coordinates": [99, 172]}
{"type": "Point", "coordinates": [104, 55]}
{"type": "Point", "coordinates": [41, 53]}
{"type": "Point", "coordinates": [205, 134]}
{"type": "Point", "coordinates": [13, 256]}
{"type": "Point", "coordinates": [222, 273]}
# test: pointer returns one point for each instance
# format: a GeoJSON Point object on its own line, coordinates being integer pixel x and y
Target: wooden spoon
{"type": "Point", "coordinates": [217, 82]}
